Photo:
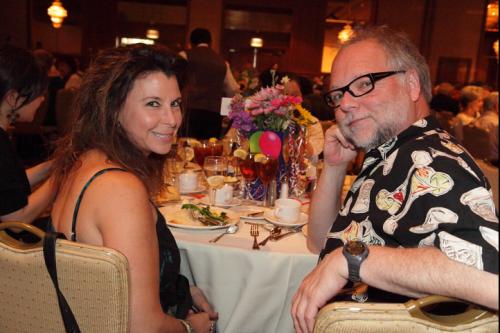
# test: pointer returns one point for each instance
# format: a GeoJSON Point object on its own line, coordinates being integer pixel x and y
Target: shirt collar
{"type": "Point", "coordinates": [414, 131]}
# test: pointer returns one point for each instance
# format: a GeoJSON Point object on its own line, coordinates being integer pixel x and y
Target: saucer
{"type": "Point", "coordinates": [234, 202]}
{"type": "Point", "coordinates": [200, 188]}
{"type": "Point", "coordinates": [270, 217]}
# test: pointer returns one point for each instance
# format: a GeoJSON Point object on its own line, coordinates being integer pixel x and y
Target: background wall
{"type": "Point", "coordinates": [449, 33]}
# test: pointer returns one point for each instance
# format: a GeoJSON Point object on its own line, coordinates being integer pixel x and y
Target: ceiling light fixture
{"type": "Point", "coordinates": [152, 34]}
{"type": "Point", "coordinates": [346, 33]}
{"type": "Point", "coordinates": [57, 14]}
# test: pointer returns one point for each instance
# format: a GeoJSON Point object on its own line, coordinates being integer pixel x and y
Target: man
{"type": "Point", "coordinates": [489, 122]}
{"type": "Point", "coordinates": [420, 209]}
{"type": "Point", "coordinates": [209, 80]}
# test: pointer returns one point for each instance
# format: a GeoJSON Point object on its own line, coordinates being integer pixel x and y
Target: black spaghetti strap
{"type": "Point", "coordinates": [78, 201]}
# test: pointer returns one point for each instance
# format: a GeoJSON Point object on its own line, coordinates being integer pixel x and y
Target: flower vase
{"type": "Point", "coordinates": [256, 189]}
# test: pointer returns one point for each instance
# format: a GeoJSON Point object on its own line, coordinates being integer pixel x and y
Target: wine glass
{"type": "Point", "coordinates": [248, 171]}
{"type": "Point", "coordinates": [206, 148]}
{"type": "Point", "coordinates": [215, 168]}
{"type": "Point", "coordinates": [267, 167]}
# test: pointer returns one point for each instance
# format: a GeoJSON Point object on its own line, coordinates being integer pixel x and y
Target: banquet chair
{"type": "Point", "coordinates": [94, 281]}
{"type": "Point", "coordinates": [409, 317]}
{"type": "Point", "coordinates": [477, 141]}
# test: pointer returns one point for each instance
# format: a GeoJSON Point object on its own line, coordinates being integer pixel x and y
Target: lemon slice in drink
{"type": "Point", "coordinates": [215, 181]}
{"type": "Point", "coordinates": [193, 142]}
{"type": "Point", "coordinates": [189, 153]}
{"type": "Point", "coordinates": [212, 140]}
{"type": "Point", "coordinates": [260, 158]}
{"type": "Point", "coordinates": [240, 153]}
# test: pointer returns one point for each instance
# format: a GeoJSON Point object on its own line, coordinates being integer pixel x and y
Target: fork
{"type": "Point", "coordinates": [254, 232]}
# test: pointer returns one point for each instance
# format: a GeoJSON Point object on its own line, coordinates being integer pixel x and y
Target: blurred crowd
{"type": "Point", "coordinates": [473, 105]}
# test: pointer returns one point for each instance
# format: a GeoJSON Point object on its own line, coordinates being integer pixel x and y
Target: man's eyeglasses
{"type": "Point", "coordinates": [358, 87]}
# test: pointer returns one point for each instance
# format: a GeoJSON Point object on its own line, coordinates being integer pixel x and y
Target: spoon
{"type": "Point", "coordinates": [231, 230]}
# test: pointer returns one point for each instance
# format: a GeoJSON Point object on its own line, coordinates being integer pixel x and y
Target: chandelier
{"type": "Point", "coordinates": [57, 13]}
{"type": "Point", "coordinates": [346, 33]}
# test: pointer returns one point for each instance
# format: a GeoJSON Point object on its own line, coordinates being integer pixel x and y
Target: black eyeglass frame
{"type": "Point", "coordinates": [374, 77]}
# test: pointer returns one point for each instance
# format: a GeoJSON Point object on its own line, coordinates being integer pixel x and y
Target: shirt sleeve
{"type": "Point", "coordinates": [231, 87]}
{"type": "Point", "coordinates": [456, 214]}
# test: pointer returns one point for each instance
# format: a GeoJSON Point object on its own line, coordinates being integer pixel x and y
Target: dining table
{"type": "Point", "coordinates": [250, 289]}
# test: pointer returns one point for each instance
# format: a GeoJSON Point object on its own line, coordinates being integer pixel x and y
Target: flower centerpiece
{"type": "Point", "coordinates": [268, 109]}
{"type": "Point", "coordinates": [275, 125]}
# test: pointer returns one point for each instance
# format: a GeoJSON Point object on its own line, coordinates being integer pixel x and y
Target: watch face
{"type": "Point", "coordinates": [355, 247]}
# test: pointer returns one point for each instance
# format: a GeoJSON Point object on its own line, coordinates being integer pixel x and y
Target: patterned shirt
{"type": "Point", "coordinates": [421, 189]}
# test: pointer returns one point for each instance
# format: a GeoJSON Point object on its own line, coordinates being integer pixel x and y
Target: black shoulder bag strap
{"type": "Point", "coordinates": [49, 254]}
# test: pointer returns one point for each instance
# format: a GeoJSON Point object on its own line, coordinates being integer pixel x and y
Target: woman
{"type": "Point", "coordinates": [22, 86]}
{"type": "Point", "coordinates": [471, 102]}
{"type": "Point", "coordinates": [110, 165]}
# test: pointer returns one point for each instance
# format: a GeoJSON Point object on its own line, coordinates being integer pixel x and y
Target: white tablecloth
{"type": "Point", "coordinates": [251, 290]}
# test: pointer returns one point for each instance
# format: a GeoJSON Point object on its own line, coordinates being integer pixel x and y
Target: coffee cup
{"type": "Point", "coordinates": [188, 181]}
{"type": "Point", "coordinates": [223, 195]}
{"type": "Point", "coordinates": [287, 210]}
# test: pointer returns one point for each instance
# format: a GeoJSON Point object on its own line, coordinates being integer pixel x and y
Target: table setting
{"type": "Point", "coordinates": [238, 209]}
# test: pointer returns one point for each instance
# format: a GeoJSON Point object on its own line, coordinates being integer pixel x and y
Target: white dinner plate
{"type": "Point", "coordinates": [234, 202]}
{"type": "Point", "coordinates": [200, 188]}
{"type": "Point", "coordinates": [181, 218]}
{"type": "Point", "coordinates": [270, 217]}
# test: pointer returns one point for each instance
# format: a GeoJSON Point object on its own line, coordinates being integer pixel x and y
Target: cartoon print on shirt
{"type": "Point", "coordinates": [363, 200]}
{"type": "Point", "coordinates": [490, 235]}
{"type": "Point", "coordinates": [423, 180]}
{"type": "Point", "coordinates": [392, 201]}
{"type": "Point", "coordinates": [460, 160]}
{"type": "Point", "coordinates": [358, 231]}
{"type": "Point", "coordinates": [387, 164]}
{"type": "Point", "coordinates": [452, 147]}
{"type": "Point", "coordinates": [345, 208]}
{"type": "Point", "coordinates": [481, 203]}
{"type": "Point", "coordinates": [357, 183]}
{"type": "Point", "coordinates": [368, 162]}
{"type": "Point", "coordinates": [460, 250]}
{"type": "Point", "coordinates": [442, 134]}
{"type": "Point", "coordinates": [386, 147]}
{"type": "Point", "coordinates": [420, 123]}
{"type": "Point", "coordinates": [427, 241]}
{"type": "Point", "coordinates": [434, 217]}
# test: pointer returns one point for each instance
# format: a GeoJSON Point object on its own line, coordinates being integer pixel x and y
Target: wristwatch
{"type": "Point", "coordinates": [187, 326]}
{"type": "Point", "coordinates": [355, 252]}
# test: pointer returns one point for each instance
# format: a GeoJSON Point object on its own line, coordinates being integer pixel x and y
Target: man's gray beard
{"type": "Point", "coordinates": [382, 135]}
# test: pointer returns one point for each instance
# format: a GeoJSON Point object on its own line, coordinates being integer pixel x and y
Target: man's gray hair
{"type": "Point", "coordinates": [402, 54]}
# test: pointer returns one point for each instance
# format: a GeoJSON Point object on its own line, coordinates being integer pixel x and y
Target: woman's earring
{"type": "Point", "coordinates": [13, 116]}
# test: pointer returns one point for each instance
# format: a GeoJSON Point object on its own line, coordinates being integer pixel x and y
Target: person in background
{"type": "Point", "coordinates": [270, 77]}
{"type": "Point", "coordinates": [209, 80]}
{"type": "Point", "coordinates": [489, 122]}
{"type": "Point", "coordinates": [68, 69]}
{"type": "Point", "coordinates": [314, 134]}
{"type": "Point", "coordinates": [23, 83]}
{"type": "Point", "coordinates": [442, 100]}
{"type": "Point", "coordinates": [110, 165]}
{"type": "Point", "coordinates": [471, 102]}
{"type": "Point", "coordinates": [419, 219]}
{"type": "Point", "coordinates": [46, 60]}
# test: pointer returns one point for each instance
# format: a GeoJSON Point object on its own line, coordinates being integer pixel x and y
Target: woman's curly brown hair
{"type": "Point", "coordinates": [100, 99]}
